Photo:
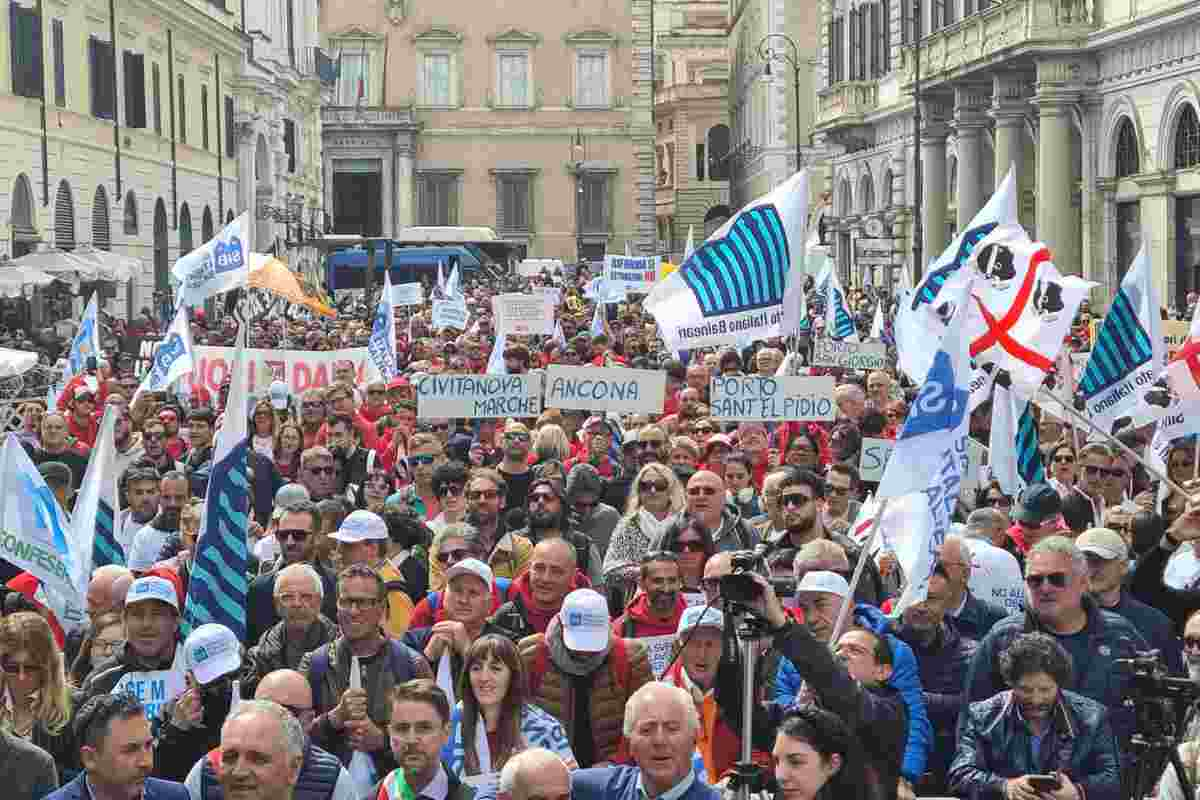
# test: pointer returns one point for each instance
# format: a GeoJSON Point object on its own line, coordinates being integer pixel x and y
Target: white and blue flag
{"type": "Point", "coordinates": [381, 347]}
{"type": "Point", "coordinates": [598, 320]}
{"type": "Point", "coordinates": [84, 345]}
{"type": "Point", "coordinates": [173, 358]}
{"type": "Point", "coordinates": [219, 265]}
{"type": "Point", "coordinates": [96, 506]}
{"type": "Point", "coordinates": [496, 365]}
{"type": "Point", "coordinates": [839, 322]}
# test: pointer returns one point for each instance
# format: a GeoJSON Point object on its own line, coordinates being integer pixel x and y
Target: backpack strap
{"type": "Point", "coordinates": [316, 674]}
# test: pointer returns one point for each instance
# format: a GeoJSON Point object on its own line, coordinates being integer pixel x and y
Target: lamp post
{"type": "Point", "coordinates": [789, 52]}
{"type": "Point", "coordinates": [918, 246]}
{"type": "Point", "coordinates": [578, 156]}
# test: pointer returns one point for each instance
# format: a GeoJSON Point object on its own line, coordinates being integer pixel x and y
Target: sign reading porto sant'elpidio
{"type": "Point", "coordinates": [777, 399]}
{"type": "Point", "coordinates": [479, 396]}
{"type": "Point", "coordinates": [849, 355]}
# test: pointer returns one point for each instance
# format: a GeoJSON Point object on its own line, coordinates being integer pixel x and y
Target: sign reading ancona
{"type": "Point", "coordinates": [617, 390]}
{"type": "Point", "coordinates": [479, 396]}
{"type": "Point", "coordinates": [753, 397]}
{"type": "Point", "coordinates": [849, 355]}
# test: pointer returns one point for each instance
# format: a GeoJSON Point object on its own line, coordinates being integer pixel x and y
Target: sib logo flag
{"type": "Point", "coordinates": [382, 344]}
{"type": "Point", "coordinates": [95, 509]}
{"type": "Point", "coordinates": [84, 345]}
{"type": "Point", "coordinates": [219, 265]}
{"type": "Point", "coordinates": [733, 285]}
{"type": "Point", "coordinates": [173, 359]}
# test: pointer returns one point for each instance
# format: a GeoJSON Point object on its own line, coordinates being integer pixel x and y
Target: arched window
{"type": "Point", "coordinates": [1187, 139]}
{"type": "Point", "coordinates": [229, 216]}
{"type": "Point", "coordinates": [161, 275]}
{"type": "Point", "coordinates": [101, 233]}
{"type": "Point", "coordinates": [206, 224]}
{"type": "Point", "coordinates": [185, 230]}
{"type": "Point", "coordinates": [1127, 159]}
{"type": "Point", "coordinates": [846, 202]}
{"type": "Point", "coordinates": [64, 217]}
{"type": "Point", "coordinates": [889, 185]}
{"type": "Point", "coordinates": [131, 214]}
{"type": "Point", "coordinates": [718, 152]}
{"type": "Point", "coordinates": [866, 194]}
{"type": "Point", "coordinates": [23, 232]}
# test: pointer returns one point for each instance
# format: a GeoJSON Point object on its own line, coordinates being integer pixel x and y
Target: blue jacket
{"type": "Point", "coordinates": [621, 783]}
{"type": "Point", "coordinates": [154, 790]}
{"type": "Point", "coordinates": [994, 745]}
{"type": "Point", "coordinates": [905, 678]}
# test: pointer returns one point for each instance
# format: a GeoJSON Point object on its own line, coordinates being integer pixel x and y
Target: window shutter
{"type": "Point", "coordinates": [92, 72]}
{"type": "Point", "coordinates": [25, 29]}
{"type": "Point", "coordinates": [182, 112]}
{"type": "Point", "coordinates": [60, 71]}
{"type": "Point", "coordinates": [230, 144]}
{"type": "Point", "coordinates": [204, 116]}
{"type": "Point", "coordinates": [700, 161]}
{"type": "Point", "coordinates": [139, 90]}
{"type": "Point", "coordinates": [289, 143]}
{"type": "Point", "coordinates": [37, 73]}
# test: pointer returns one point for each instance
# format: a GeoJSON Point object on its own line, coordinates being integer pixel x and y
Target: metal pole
{"type": "Point", "coordinates": [796, 71]}
{"type": "Point", "coordinates": [918, 229]}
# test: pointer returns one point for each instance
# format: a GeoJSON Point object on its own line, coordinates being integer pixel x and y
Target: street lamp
{"type": "Point", "coordinates": [788, 52]}
{"type": "Point", "coordinates": [918, 245]}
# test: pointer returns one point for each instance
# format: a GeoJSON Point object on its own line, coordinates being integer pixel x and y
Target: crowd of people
{"type": "Point", "coordinates": [456, 608]}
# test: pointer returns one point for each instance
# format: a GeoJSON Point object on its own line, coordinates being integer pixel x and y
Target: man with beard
{"type": "Point", "coordinates": [140, 487]}
{"type": "Point", "coordinates": [173, 494]}
{"type": "Point", "coordinates": [515, 466]}
{"type": "Point", "coordinates": [548, 519]}
{"type": "Point", "coordinates": [312, 416]}
{"type": "Point", "coordinates": [350, 459]}
{"type": "Point", "coordinates": [57, 446]}
{"type": "Point", "coordinates": [198, 464]}
{"type": "Point", "coordinates": [419, 729]}
{"type": "Point", "coordinates": [128, 444]}
{"type": "Point", "coordinates": [587, 511]}
{"type": "Point", "coordinates": [656, 609]}
{"type": "Point", "coordinates": [538, 594]}
{"type": "Point", "coordinates": [507, 553]}
{"type": "Point", "coordinates": [842, 485]}
{"type": "Point", "coordinates": [317, 473]}
{"type": "Point", "coordinates": [154, 450]}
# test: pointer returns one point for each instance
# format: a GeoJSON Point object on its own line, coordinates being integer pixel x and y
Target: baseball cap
{"type": "Point", "coordinates": [362, 526]}
{"type": "Point", "coordinates": [152, 588]}
{"type": "Point", "coordinates": [824, 581]}
{"type": "Point", "coordinates": [700, 617]}
{"type": "Point", "coordinates": [211, 651]}
{"type": "Point", "coordinates": [1039, 502]}
{"type": "Point", "coordinates": [1103, 542]}
{"type": "Point", "coordinates": [291, 493]}
{"type": "Point", "coordinates": [585, 621]}
{"type": "Point", "coordinates": [279, 394]}
{"type": "Point", "coordinates": [471, 566]}
{"type": "Point", "coordinates": [516, 427]}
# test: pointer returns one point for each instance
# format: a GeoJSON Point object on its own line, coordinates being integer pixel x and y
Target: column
{"type": "Point", "coordinates": [1008, 110]}
{"type": "Point", "coordinates": [1057, 221]}
{"type": "Point", "coordinates": [970, 121]}
{"type": "Point", "coordinates": [933, 191]}
{"type": "Point", "coordinates": [247, 184]}
{"type": "Point", "coordinates": [402, 182]}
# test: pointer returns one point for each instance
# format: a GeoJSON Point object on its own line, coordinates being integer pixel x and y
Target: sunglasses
{"type": "Point", "coordinates": [696, 491]}
{"type": "Point", "coordinates": [448, 556]}
{"type": "Point", "coordinates": [424, 460]}
{"type": "Point", "coordinates": [1056, 579]}
{"type": "Point", "coordinates": [517, 437]}
{"type": "Point", "coordinates": [292, 535]}
{"type": "Point", "coordinates": [321, 470]}
{"type": "Point", "coordinates": [651, 487]}
{"type": "Point", "coordinates": [689, 546]}
{"type": "Point", "coordinates": [1064, 459]}
{"type": "Point", "coordinates": [450, 491]}
{"type": "Point", "coordinates": [797, 500]}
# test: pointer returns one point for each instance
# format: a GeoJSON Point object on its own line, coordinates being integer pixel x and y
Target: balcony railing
{"type": "Point", "coordinates": [847, 103]}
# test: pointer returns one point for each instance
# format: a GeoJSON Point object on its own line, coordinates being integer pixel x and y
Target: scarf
{"type": "Point", "coordinates": [577, 664]}
{"type": "Point", "coordinates": [651, 526]}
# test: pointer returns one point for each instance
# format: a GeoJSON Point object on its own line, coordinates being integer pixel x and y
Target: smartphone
{"type": "Point", "coordinates": [1044, 784]}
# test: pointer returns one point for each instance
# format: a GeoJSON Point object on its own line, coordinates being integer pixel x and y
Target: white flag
{"type": "Point", "coordinates": [382, 345]}
{"type": "Point", "coordinates": [496, 365]}
{"type": "Point", "coordinates": [173, 358]}
{"type": "Point", "coordinates": [877, 323]}
{"type": "Point", "coordinates": [219, 265]}
{"type": "Point", "coordinates": [96, 505]}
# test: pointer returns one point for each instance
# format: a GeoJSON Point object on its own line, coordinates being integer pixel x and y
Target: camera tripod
{"type": "Point", "coordinates": [749, 627]}
{"type": "Point", "coordinates": [1151, 754]}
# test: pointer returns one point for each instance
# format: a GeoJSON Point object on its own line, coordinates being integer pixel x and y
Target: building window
{"type": "Point", "coordinates": [182, 101]}
{"type": "Point", "coordinates": [700, 161]}
{"type": "Point", "coordinates": [718, 152]}
{"type": "Point", "coordinates": [512, 79]}
{"type": "Point", "coordinates": [60, 68]}
{"type": "Point", "coordinates": [1129, 235]}
{"type": "Point", "coordinates": [25, 29]}
{"type": "Point", "coordinates": [185, 230]}
{"type": "Point", "coordinates": [513, 203]}
{"type": "Point", "coordinates": [1187, 247]}
{"type": "Point", "coordinates": [857, 15]}
{"type": "Point", "coordinates": [230, 138]}
{"type": "Point", "coordinates": [837, 50]}
{"type": "Point", "coordinates": [135, 89]}
{"type": "Point", "coordinates": [64, 217]}
{"type": "Point", "coordinates": [131, 214]}
{"type": "Point", "coordinates": [289, 143]}
{"type": "Point", "coordinates": [937, 13]}
{"type": "Point", "coordinates": [591, 79]}
{"type": "Point", "coordinates": [204, 116]}
{"type": "Point", "coordinates": [437, 199]}
{"type": "Point", "coordinates": [352, 78]}
{"type": "Point", "coordinates": [156, 87]}
{"type": "Point", "coordinates": [881, 55]}
{"type": "Point", "coordinates": [100, 62]}
{"type": "Point", "coordinates": [1127, 150]}
{"type": "Point", "coordinates": [435, 79]}
{"type": "Point", "coordinates": [101, 233]}
{"type": "Point", "coordinates": [593, 203]}
{"type": "Point", "coordinates": [1187, 139]}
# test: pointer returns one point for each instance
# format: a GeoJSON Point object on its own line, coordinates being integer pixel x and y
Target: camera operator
{"type": "Point", "coordinates": [850, 682]}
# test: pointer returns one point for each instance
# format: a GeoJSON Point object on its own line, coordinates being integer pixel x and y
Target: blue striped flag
{"type": "Point", "coordinates": [217, 586]}
{"type": "Point", "coordinates": [97, 502]}
{"type": "Point", "coordinates": [1013, 442]}
{"type": "Point", "coordinates": [839, 324]}
{"type": "Point", "coordinates": [1029, 457]}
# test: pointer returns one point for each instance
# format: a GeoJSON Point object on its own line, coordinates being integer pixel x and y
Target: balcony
{"type": "Point", "coordinates": [846, 104]}
{"type": "Point", "coordinates": [1003, 30]}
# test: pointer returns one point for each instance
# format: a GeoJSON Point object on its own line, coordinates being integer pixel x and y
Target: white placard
{"type": "Point", "coordinates": [553, 293]}
{"type": "Point", "coordinates": [976, 458]}
{"type": "Point", "coordinates": [532, 267]}
{"type": "Point", "coordinates": [758, 398]}
{"type": "Point", "coordinates": [408, 294]}
{"type": "Point", "coordinates": [523, 314]}
{"type": "Point", "coordinates": [615, 389]}
{"type": "Point", "coordinates": [635, 273]}
{"type": "Point", "coordinates": [450, 314]}
{"type": "Point", "coordinates": [479, 396]}
{"type": "Point", "coordinates": [849, 355]}
{"type": "Point", "coordinates": [874, 458]}
{"type": "Point", "coordinates": [658, 649]}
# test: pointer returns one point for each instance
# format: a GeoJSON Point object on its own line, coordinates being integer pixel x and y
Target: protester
{"type": "Point", "coordinates": [537, 596]}
{"type": "Point", "coordinates": [105, 635]}
{"type": "Point", "coordinates": [656, 609]}
{"type": "Point", "coordinates": [418, 730]}
{"type": "Point", "coordinates": [362, 541]}
{"type": "Point", "coordinates": [262, 752]}
{"type": "Point", "coordinates": [299, 592]}
{"type": "Point", "coordinates": [38, 701]}
{"type": "Point", "coordinates": [535, 774]}
{"type": "Point", "coordinates": [816, 757]}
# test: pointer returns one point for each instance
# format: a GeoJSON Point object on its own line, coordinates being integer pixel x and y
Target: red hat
{"type": "Point", "coordinates": [168, 574]}
{"type": "Point", "coordinates": [398, 382]}
{"type": "Point", "coordinates": [27, 585]}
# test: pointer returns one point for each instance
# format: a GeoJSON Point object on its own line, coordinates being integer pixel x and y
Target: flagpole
{"type": "Point", "coordinates": [1124, 448]}
{"type": "Point", "coordinates": [848, 602]}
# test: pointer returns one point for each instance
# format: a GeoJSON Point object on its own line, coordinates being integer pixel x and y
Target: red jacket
{"type": "Point", "coordinates": [85, 434]}
{"type": "Point", "coordinates": [638, 613]}
{"type": "Point", "coordinates": [538, 618]}
{"type": "Point", "coordinates": [424, 615]}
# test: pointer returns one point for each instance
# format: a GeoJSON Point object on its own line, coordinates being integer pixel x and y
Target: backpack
{"type": "Point", "coordinates": [400, 660]}
{"type": "Point", "coordinates": [618, 665]}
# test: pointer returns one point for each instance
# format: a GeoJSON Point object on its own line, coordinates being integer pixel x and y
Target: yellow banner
{"type": "Point", "coordinates": [273, 275]}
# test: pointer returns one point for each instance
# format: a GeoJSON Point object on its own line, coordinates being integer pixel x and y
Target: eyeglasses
{"type": "Point", "coordinates": [696, 491]}
{"type": "Point", "coordinates": [453, 556]}
{"type": "Point", "coordinates": [450, 490]}
{"type": "Point", "coordinates": [1067, 459]}
{"type": "Point", "coordinates": [483, 494]}
{"type": "Point", "coordinates": [321, 470]}
{"type": "Point", "coordinates": [652, 487]}
{"type": "Point", "coordinates": [798, 500]}
{"type": "Point", "coordinates": [540, 497]}
{"type": "Point", "coordinates": [423, 461]}
{"type": "Point", "coordinates": [1191, 642]}
{"type": "Point", "coordinates": [688, 546]}
{"type": "Point", "coordinates": [11, 667]}
{"type": "Point", "coordinates": [292, 535]}
{"type": "Point", "coordinates": [357, 603]}
{"type": "Point", "coordinates": [1056, 579]}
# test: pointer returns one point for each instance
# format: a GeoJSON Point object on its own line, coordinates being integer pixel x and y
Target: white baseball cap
{"type": "Point", "coordinates": [585, 621]}
{"type": "Point", "coordinates": [361, 526]}
{"type": "Point", "coordinates": [212, 651]}
{"type": "Point", "coordinates": [471, 566]}
{"type": "Point", "coordinates": [279, 394]}
{"type": "Point", "coordinates": [700, 617]}
{"type": "Point", "coordinates": [824, 581]}
{"type": "Point", "coordinates": [152, 587]}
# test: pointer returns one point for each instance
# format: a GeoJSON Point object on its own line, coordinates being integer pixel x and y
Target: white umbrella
{"type": "Point", "coordinates": [104, 265]}
{"type": "Point", "coordinates": [16, 362]}
{"type": "Point", "coordinates": [14, 281]}
{"type": "Point", "coordinates": [51, 260]}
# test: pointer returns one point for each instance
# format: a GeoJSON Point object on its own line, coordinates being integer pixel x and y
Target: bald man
{"type": "Point", "coordinates": [851, 402]}
{"type": "Point", "coordinates": [971, 616]}
{"type": "Point", "coordinates": [706, 502]}
{"type": "Point", "coordinates": [105, 592]}
{"type": "Point", "coordinates": [322, 776]}
{"type": "Point", "coordinates": [535, 774]}
{"type": "Point", "coordinates": [879, 386]}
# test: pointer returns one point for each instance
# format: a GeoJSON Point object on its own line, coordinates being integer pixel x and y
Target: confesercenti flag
{"type": "Point", "coordinates": [1128, 353]}
{"type": "Point", "coordinates": [381, 346]}
{"type": "Point", "coordinates": [96, 506]}
{"type": "Point", "coordinates": [173, 358]}
{"type": "Point", "coordinates": [219, 265]}
{"type": "Point", "coordinates": [217, 587]}
{"type": "Point", "coordinates": [734, 284]}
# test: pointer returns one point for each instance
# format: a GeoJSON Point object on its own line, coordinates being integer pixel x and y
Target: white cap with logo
{"type": "Point", "coordinates": [474, 567]}
{"type": "Point", "coordinates": [279, 394]}
{"type": "Point", "coordinates": [152, 587]}
{"type": "Point", "coordinates": [585, 621]}
{"type": "Point", "coordinates": [212, 651]}
{"type": "Point", "coordinates": [361, 526]}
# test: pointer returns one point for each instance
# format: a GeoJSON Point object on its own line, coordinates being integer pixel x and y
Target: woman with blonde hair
{"type": "Point", "coordinates": [550, 444]}
{"type": "Point", "coordinates": [655, 496]}
{"type": "Point", "coordinates": [37, 698]}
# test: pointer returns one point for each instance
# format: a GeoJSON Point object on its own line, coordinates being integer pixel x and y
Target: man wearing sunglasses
{"type": "Point", "coordinates": [1096, 476]}
{"type": "Point", "coordinates": [425, 455]}
{"type": "Point", "coordinates": [1056, 603]}
{"type": "Point", "coordinates": [317, 473]}
{"type": "Point", "coordinates": [515, 465]}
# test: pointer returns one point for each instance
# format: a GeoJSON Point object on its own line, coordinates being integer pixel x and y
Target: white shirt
{"type": "Point", "coordinates": [996, 576]}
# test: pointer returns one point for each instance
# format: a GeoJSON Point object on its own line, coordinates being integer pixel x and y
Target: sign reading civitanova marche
{"type": "Point", "coordinates": [479, 396]}
{"type": "Point", "coordinates": [616, 390]}
{"type": "Point", "coordinates": [777, 399]}
{"type": "Point", "coordinates": [849, 355]}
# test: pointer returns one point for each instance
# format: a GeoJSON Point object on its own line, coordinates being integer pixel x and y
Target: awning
{"type": "Point", "coordinates": [16, 362]}
{"type": "Point", "coordinates": [105, 265]}
{"type": "Point", "coordinates": [14, 279]}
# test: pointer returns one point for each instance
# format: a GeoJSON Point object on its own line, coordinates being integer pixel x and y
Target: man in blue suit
{"type": "Point", "coordinates": [117, 753]}
{"type": "Point", "coordinates": [661, 726]}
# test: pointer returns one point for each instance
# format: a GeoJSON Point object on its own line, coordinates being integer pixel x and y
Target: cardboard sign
{"type": "Point", "coordinates": [616, 389]}
{"type": "Point", "coordinates": [658, 648]}
{"type": "Point", "coordinates": [849, 355]}
{"type": "Point", "coordinates": [532, 267]}
{"type": "Point", "coordinates": [1175, 333]}
{"type": "Point", "coordinates": [634, 273]}
{"type": "Point", "coordinates": [408, 294]}
{"type": "Point", "coordinates": [450, 314]}
{"type": "Point", "coordinates": [299, 369]}
{"type": "Point", "coordinates": [874, 457]}
{"type": "Point", "coordinates": [757, 398]}
{"type": "Point", "coordinates": [523, 314]}
{"type": "Point", "coordinates": [479, 396]}
{"type": "Point", "coordinates": [972, 479]}
{"type": "Point", "coordinates": [155, 688]}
